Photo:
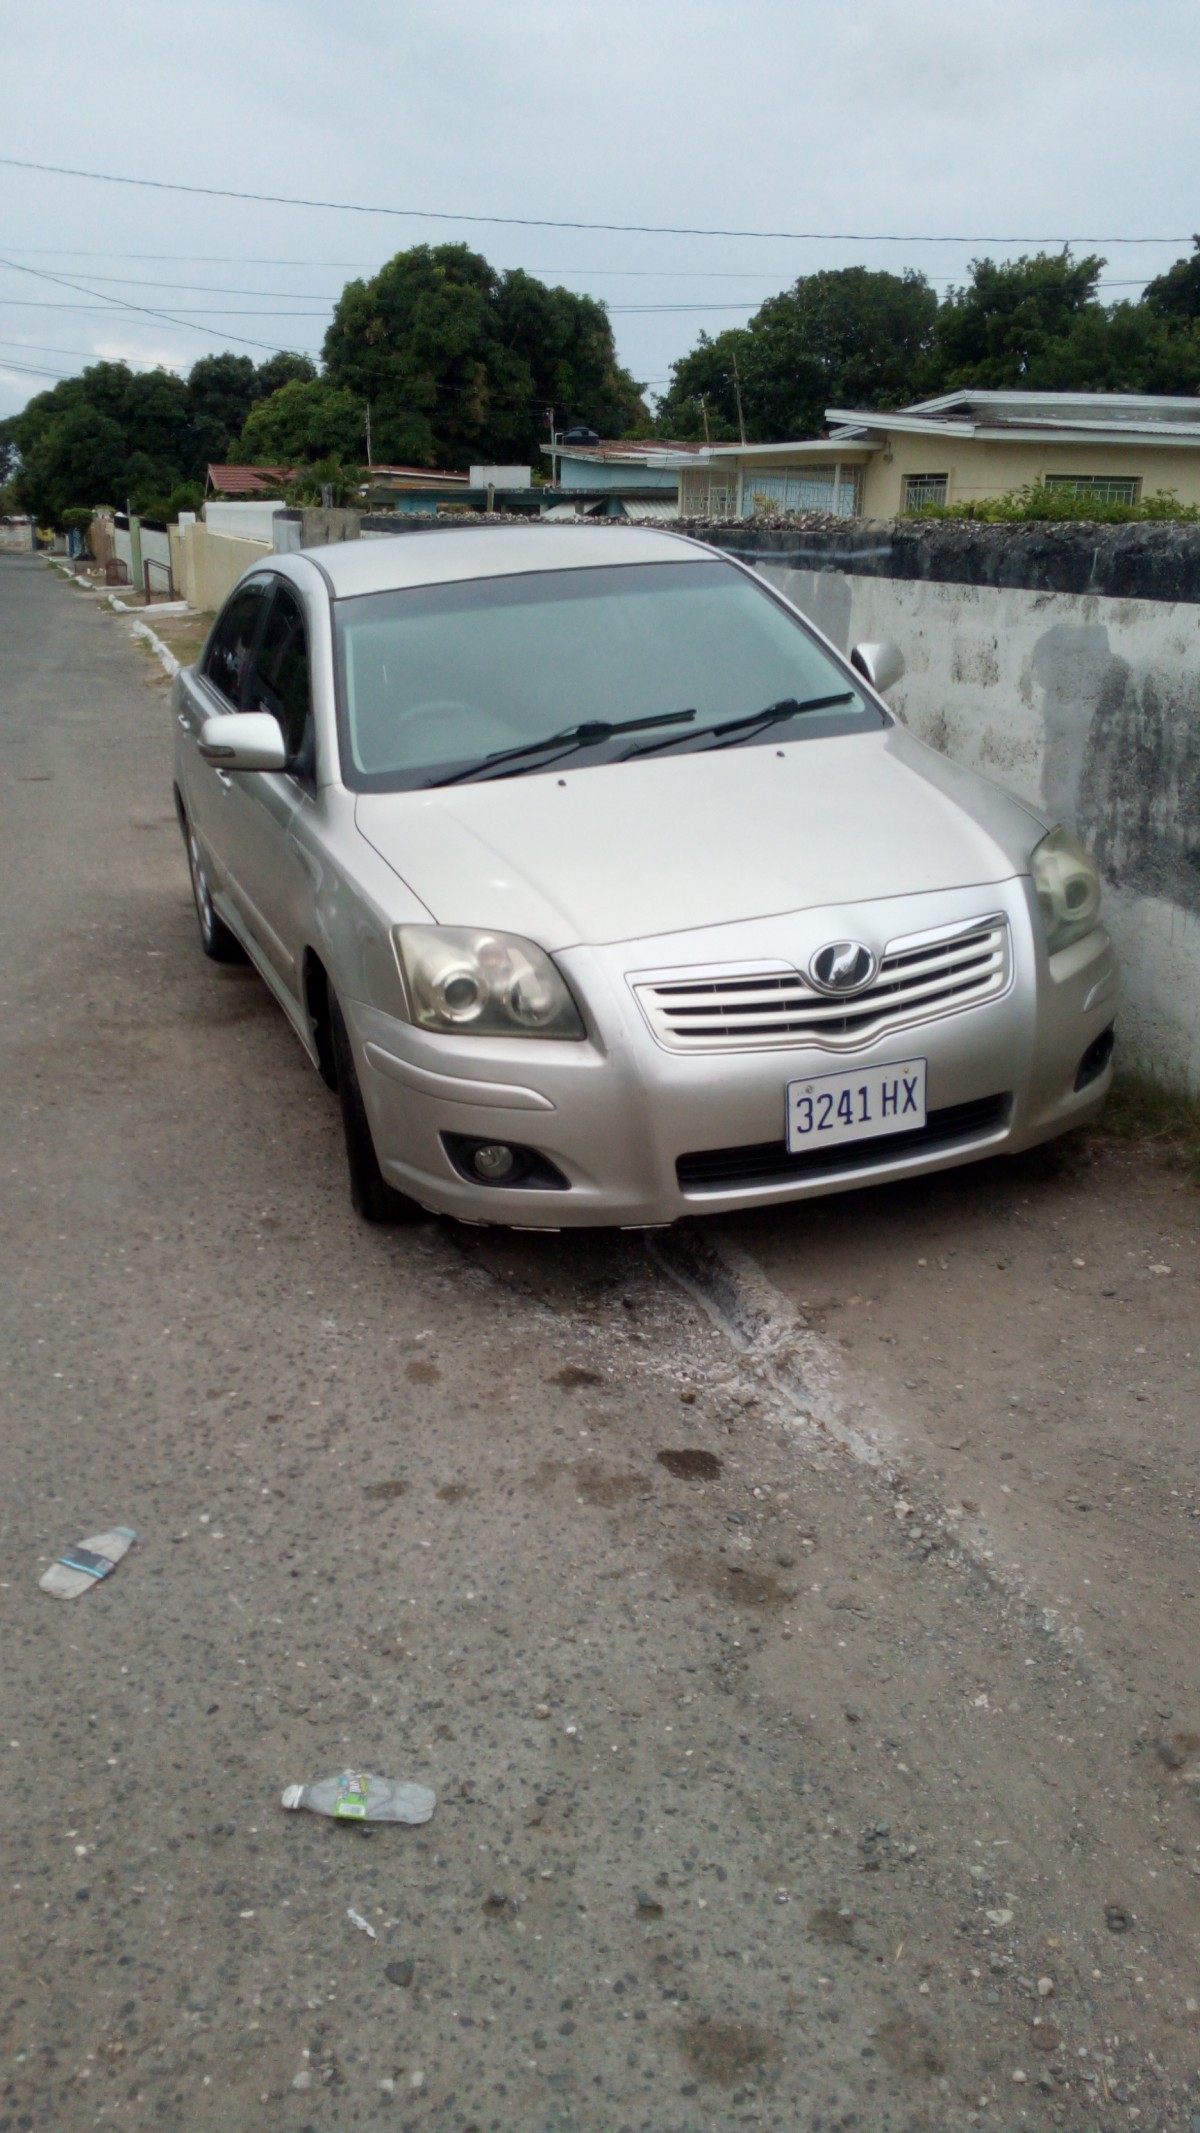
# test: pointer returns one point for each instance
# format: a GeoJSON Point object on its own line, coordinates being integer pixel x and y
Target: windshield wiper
{"type": "Point", "coordinates": [588, 734]}
{"type": "Point", "coordinates": [771, 715]}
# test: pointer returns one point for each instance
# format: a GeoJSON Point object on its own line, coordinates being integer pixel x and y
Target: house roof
{"type": "Point", "coordinates": [417, 474]}
{"type": "Point", "coordinates": [248, 481]}
{"type": "Point", "coordinates": [638, 451]}
{"type": "Point", "coordinates": [1064, 418]}
{"type": "Point", "coordinates": [825, 450]}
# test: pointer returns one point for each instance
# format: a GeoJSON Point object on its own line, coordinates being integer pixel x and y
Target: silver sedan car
{"type": "Point", "coordinates": [604, 889]}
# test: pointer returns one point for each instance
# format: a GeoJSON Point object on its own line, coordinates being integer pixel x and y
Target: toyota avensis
{"type": "Point", "coordinates": [604, 889]}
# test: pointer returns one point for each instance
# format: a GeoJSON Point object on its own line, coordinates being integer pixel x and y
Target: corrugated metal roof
{"type": "Point", "coordinates": [419, 474]}
{"type": "Point", "coordinates": [248, 481]}
{"type": "Point", "coordinates": [649, 512]}
{"type": "Point", "coordinates": [648, 450]}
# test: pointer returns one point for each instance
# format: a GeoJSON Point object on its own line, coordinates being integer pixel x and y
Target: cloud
{"type": "Point", "coordinates": [937, 118]}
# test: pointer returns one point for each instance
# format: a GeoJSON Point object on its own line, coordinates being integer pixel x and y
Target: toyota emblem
{"type": "Point", "coordinates": [842, 967]}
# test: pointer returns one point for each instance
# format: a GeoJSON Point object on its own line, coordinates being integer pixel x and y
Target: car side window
{"type": "Point", "coordinates": [280, 680]}
{"type": "Point", "coordinates": [228, 661]}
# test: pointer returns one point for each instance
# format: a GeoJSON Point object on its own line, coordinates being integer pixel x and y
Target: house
{"type": "Point", "coordinates": [616, 478]}
{"type": "Point", "coordinates": [17, 535]}
{"type": "Point", "coordinates": [958, 448]}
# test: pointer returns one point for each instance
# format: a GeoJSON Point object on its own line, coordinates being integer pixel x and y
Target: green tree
{"type": "Point", "coordinates": [282, 369]}
{"type": "Point", "coordinates": [1175, 295]}
{"type": "Point", "coordinates": [567, 343]}
{"type": "Point", "coordinates": [77, 457]}
{"type": "Point", "coordinates": [848, 337]}
{"type": "Point", "coordinates": [221, 390]}
{"type": "Point", "coordinates": [458, 363]}
{"type": "Point", "coordinates": [703, 384]}
{"type": "Point", "coordinates": [1014, 325]}
{"type": "Point", "coordinates": [308, 419]}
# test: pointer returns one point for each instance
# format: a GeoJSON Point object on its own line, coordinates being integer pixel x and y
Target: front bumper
{"type": "Point", "coordinates": [619, 1116]}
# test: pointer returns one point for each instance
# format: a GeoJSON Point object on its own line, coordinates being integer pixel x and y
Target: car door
{"type": "Point", "coordinates": [217, 684]}
{"type": "Point", "coordinates": [270, 876]}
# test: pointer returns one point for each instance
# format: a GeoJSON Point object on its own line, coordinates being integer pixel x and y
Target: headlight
{"type": "Point", "coordinates": [472, 984]}
{"type": "Point", "coordinates": [1068, 889]}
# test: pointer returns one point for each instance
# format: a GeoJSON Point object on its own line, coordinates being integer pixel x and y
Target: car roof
{"type": "Point", "coordinates": [384, 563]}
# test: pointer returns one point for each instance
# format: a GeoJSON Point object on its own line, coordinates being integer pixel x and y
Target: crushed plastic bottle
{"type": "Point", "coordinates": [354, 1796]}
{"type": "Point", "coordinates": [81, 1567]}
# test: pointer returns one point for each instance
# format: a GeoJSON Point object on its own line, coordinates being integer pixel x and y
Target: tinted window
{"type": "Point", "coordinates": [439, 677]}
{"type": "Point", "coordinates": [280, 683]}
{"type": "Point", "coordinates": [233, 641]}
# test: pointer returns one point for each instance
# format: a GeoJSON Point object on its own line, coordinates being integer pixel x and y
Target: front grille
{"type": "Point", "coordinates": [918, 979]}
{"type": "Point", "coordinates": [769, 1163]}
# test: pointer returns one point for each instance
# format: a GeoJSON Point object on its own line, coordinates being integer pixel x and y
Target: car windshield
{"type": "Point", "coordinates": [444, 682]}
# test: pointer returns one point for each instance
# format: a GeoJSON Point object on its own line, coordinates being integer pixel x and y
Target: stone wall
{"type": "Point", "coordinates": [1063, 661]}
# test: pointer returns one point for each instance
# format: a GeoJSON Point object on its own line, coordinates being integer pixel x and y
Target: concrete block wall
{"type": "Point", "coordinates": [207, 565]}
{"type": "Point", "coordinates": [1082, 702]}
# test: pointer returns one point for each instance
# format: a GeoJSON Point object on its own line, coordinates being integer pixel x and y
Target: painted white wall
{"type": "Point", "coordinates": [247, 521]}
{"type": "Point", "coordinates": [1087, 708]}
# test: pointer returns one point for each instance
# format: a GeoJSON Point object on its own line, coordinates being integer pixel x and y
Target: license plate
{"type": "Point", "coordinates": [855, 1107]}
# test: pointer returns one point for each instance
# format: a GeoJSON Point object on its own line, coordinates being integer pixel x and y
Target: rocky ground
{"type": "Point", "coordinates": [789, 1772]}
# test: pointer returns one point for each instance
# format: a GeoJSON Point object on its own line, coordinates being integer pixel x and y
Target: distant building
{"type": "Point", "coordinates": [17, 535]}
{"type": "Point", "coordinates": [635, 478]}
{"type": "Point", "coordinates": [962, 447]}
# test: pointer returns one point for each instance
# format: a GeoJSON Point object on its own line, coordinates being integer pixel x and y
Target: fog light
{"type": "Point", "coordinates": [1096, 1058]}
{"type": "Point", "coordinates": [493, 1161]}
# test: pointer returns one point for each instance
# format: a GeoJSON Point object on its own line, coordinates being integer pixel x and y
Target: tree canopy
{"type": "Point", "coordinates": [306, 420]}
{"type": "Point", "coordinates": [458, 362]}
{"type": "Point", "coordinates": [114, 436]}
{"type": "Point", "coordinates": [850, 338]}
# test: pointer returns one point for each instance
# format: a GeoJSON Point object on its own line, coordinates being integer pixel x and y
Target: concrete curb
{"type": "Point", "coordinates": [162, 652]}
{"type": "Point", "coordinates": [162, 607]}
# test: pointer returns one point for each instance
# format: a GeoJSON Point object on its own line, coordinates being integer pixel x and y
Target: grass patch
{"type": "Point", "coordinates": [1161, 1117]}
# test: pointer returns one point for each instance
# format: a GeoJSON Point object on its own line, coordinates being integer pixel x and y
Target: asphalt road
{"type": "Point", "coordinates": [749, 1812]}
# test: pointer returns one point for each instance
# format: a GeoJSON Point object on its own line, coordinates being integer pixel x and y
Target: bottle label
{"type": "Point", "coordinates": [352, 1796]}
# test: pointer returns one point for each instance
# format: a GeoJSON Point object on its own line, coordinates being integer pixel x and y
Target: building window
{"type": "Point", "coordinates": [707, 495]}
{"type": "Point", "coordinates": [1099, 488]}
{"type": "Point", "coordinates": [922, 489]}
{"type": "Point", "coordinates": [812, 488]}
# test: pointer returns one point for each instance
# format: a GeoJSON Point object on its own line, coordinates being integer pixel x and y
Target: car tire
{"type": "Point", "coordinates": [370, 1194]}
{"type": "Point", "coordinates": [218, 943]}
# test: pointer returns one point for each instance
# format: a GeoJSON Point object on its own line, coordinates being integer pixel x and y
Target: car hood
{"type": "Point", "coordinates": [625, 851]}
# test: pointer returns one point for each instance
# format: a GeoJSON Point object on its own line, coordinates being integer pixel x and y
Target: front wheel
{"type": "Point", "coordinates": [217, 941]}
{"type": "Point", "coordinates": [370, 1194]}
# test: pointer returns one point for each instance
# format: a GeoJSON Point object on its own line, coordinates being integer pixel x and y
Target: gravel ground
{"type": "Point", "coordinates": [753, 1809]}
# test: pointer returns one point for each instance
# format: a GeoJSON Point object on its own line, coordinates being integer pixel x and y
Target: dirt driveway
{"type": "Point", "coordinates": [1021, 1340]}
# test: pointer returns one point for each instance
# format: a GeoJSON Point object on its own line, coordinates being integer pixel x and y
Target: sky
{"type": "Point", "coordinates": [992, 126]}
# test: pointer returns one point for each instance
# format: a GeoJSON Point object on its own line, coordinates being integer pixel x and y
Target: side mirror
{"type": "Point", "coordinates": [882, 664]}
{"type": "Point", "coordinates": [243, 740]}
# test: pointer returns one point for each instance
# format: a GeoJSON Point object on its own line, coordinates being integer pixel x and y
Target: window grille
{"type": "Point", "coordinates": [922, 489]}
{"type": "Point", "coordinates": [1099, 488]}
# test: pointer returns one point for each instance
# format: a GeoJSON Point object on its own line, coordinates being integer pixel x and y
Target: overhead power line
{"type": "Point", "coordinates": [81, 355]}
{"type": "Point", "coordinates": [33, 370]}
{"type": "Point", "coordinates": [121, 304]}
{"type": "Point", "coordinates": [546, 222]}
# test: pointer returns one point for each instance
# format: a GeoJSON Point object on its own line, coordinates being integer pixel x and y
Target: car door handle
{"type": "Point", "coordinates": [224, 779]}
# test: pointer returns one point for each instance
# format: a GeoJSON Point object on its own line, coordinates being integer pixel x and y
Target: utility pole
{"type": "Point", "coordinates": [704, 413]}
{"type": "Point", "coordinates": [737, 389]}
{"type": "Point", "coordinates": [370, 461]}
